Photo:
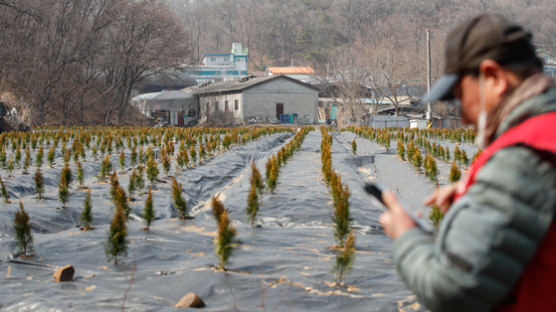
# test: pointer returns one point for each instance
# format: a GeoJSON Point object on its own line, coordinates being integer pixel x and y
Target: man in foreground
{"type": "Point", "coordinates": [496, 246]}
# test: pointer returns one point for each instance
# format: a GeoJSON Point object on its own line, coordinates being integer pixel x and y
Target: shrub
{"type": "Point", "coordinates": [116, 245]}
{"type": "Point", "coordinates": [86, 216]}
{"type": "Point", "coordinates": [39, 183]}
{"type": "Point", "coordinates": [148, 212]}
{"type": "Point", "coordinates": [22, 229]}
{"type": "Point", "coordinates": [179, 202]}
{"type": "Point", "coordinates": [224, 242]}
{"type": "Point", "coordinates": [354, 146]}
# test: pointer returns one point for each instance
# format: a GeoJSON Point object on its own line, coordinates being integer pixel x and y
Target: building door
{"type": "Point", "coordinates": [279, 110]}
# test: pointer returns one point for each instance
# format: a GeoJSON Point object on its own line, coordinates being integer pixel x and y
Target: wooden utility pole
{"type": "Point", "coordinates": [429, 112]}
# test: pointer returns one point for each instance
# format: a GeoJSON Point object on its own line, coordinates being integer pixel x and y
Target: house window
{"type": "Point", "coordinates": [236, 104]}
{"type": "Point", "coordinates": [215, 106]}
{"type": "Point", "coordinates": [213, 59]}
{"type": "Point", "coordinates": [226, 106]}
{"type": "Point", "coordinates": [226, 58]}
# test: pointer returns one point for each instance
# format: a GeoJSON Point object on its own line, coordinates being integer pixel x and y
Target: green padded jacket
{"type": "Point", "coordinates": [488, 236]}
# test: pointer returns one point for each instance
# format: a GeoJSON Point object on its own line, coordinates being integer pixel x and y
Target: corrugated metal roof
{"type": "Point", "coordinates": [173, 95]}
{"type": "Point", "coordinates": [145, 96]}
{"type": "Point", "coordinates": [239, 85]}
{"type": "Point", "coordinates": [290, 70]}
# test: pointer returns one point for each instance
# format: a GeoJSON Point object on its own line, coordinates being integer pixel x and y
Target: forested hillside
{"type": "Point", "coordinates": [320, 32]}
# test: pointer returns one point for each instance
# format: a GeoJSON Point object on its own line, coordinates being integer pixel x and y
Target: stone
{"type": "Point", "coordinates": [64, 274]}
{"type": "Point", "coordinates": [190, 300]}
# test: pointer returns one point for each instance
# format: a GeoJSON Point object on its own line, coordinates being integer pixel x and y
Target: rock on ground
{"type": "Point", "coordinates": [64, 274]}
{"type": "Point", "coordinates": [190, 300]}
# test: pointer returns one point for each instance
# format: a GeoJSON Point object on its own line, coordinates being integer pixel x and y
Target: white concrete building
{"type": "Point", "coordinates": [262, 99]}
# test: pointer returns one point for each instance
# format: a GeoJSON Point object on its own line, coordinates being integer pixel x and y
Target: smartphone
{"type": "Point", "coordinates": [376, 190]}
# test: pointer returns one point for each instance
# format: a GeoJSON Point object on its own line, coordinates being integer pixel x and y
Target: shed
{"type": "Point", "coordinates": [178, 108]}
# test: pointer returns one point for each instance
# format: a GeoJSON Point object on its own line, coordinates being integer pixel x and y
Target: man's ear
{"type": "Point", "coordinates": [495, 77]}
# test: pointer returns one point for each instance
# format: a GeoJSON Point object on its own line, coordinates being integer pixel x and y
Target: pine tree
{"type": "Point", "coordinates": [80, 177]}
{"type": "Point", "coordinates": [86, 216]}
{"type": "Point", "coordinates": [152, 169]}
{"type": "Point", "coordinates": [401, 150]}
{"type": "Point", "coordinates": [122, 160]}
{"type": "Point", "coordinates": [132, 183]}
{"type": "Point", "coordinates": [120, 201]}
{"type": "Point", "coordinates": [179, 202]}
{"type": "Point", "coordinates": [39, 183]}
{"type": "Point", "coordinates": [116, 245]}
{"type": "Point", "coordinates": [22, 229]}
{"type": "Point", "coordinates": [455, 173]}
{"type": "Point", "coordinates": [224, 242]}
{"type": "Point", "coordinates": [252, 204]}
{"type": "Point", "coordinates": [256, 177]}
{"type": "Point", "coordinates": [26, 160]}
{"type": "Point", "coordinates": [10, 166]}
{"type": "Point", "coordinates": [436, 216]}
{"type": "Point", "coordinates": [148, 212]}
{"type": "Point", "coordinates": [354, 146]}
{"type": "Point", "coordinates": [39, 157]}
{"type": "Point", "coordinates": [4, 192]}
{"type": "Point", "coordinates": [63, 189]}
{"type": "Point", "coordinates": [106, 167]}
{"type": "Point", "coordinates": [345, 258]}
{"type": "Point", "coordinates": [417, 159]}
{"type": "Point", "coordinates": [139, 181]}
{"type": "Point", "coordinates": [165, 159]}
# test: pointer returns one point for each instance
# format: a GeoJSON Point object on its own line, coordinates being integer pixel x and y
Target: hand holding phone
{"type": "Point", "coordinates": [376, 190]}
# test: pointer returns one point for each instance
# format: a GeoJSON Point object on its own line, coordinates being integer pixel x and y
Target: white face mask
{"type": "Point", "coordinates": [482, 120]}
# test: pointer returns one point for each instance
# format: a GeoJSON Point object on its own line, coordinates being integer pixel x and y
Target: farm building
{"type": "Point", "coordinates": [261, 99]}
{"type": "Point", "coordinates": [177, 108]}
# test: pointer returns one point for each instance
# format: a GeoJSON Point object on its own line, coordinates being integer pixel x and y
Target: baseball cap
{"type": "Point", "coordinates": [487, 36]}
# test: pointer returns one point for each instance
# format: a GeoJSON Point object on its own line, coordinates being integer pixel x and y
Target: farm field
{"type": "Point", "coordinates": [285, 258]}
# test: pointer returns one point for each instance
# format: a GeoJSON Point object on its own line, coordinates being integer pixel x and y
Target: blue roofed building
{"type": "Point", "coordinates": [223, 66]}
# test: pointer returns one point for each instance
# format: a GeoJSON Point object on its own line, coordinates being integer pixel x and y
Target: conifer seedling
{"type": "Point", "coordinates": [4, 192]}
{"type": "Point", "coordinates": [152, 170]}
{"type": "Point", "coordinates": [116, 245]}
{"type": "Point", "coordinates": [22, 229]}
{"type": "Point", "coordinates": [148, 212]}
{"type": "Point", "coordinates": [225, 241]}
{"type": "Point", "coordinates": [39, 183]}
{"type": "Point", "coordinates": [86, 215]}
{"type": "Point", "coordinates": [345, 258]}
{"type": "Point", "coordinates": [252, 204]}
{"type": "Point", "coordinates": [179, 202]}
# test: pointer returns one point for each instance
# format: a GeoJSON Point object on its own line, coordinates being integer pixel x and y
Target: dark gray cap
{"type": "Point", "coordinates": [486, 36]}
